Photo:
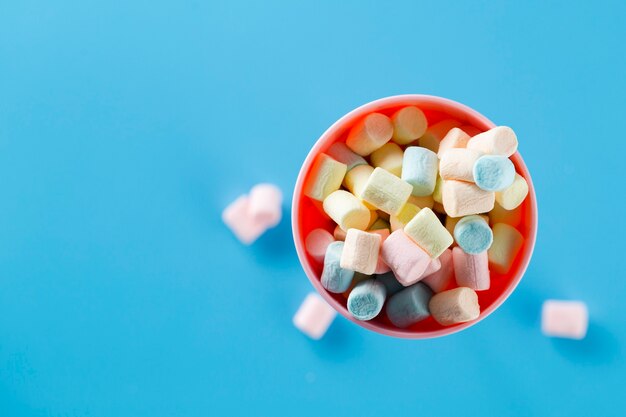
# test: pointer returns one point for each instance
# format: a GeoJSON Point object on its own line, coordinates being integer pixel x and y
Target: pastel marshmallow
{"type": "Point", "coordinates": [381, 266]}
{"type": "Point", "coordinates": [360, 252]}
{"type": "Point", "coordinates": [426, 230]}
{"type": "Point", "coordinates": [455, 138]}
{"type": "Point", "coordinates": [458, 164]}
{"type": "Point", "coordinates": [409, 123]}
{"type": "Point", "coordinates": [493, 172]}
{"type": "Point", "coordinates": [470, 130]}
{"type": "Point", "coordinates": [358, 277]}
{"type": "Point", "coordinates": [451, 222]}
{"type": "Point", "coordinates": [473, 234]}
{"type": "Point", "coordinates": [316, 243]}
{"type": "Point", "coordinates": [339, 151]}
{"type": "Point", "coordinates": [500, 140]}
{"type": "Point", "coordinates": [314, 316]}
{"type": "Point", "coordinates": [356, 179]}
{"type": "Point", "coordinates": [346, 210]}
{"type": "Point", "coordinates": [391, 283]}
{"type": "Point", "coordinates": [471, 271]}
{"type": "Point", "coordinates": [409, 306]}
{"type": "Point", "coordinates": [433, 266]}
{"type": "Point", "coordinates": [463, 198]}
{"type": "Point", "coordinates": [435, 133]}
{"type": "Point", "coordinates": [266, 204]}
{"type": "Point", "coordinates": [325, 176]}
{"type": "Point", "coordinates": [510, 217]}
{"type": "Point", "coordinates": [422, 201]}
{"type": "Point", "coordinates": [370, 133]}
{"type": "Point", "coordinates": [419, 168]}
{"type": "Point", "coordinates": [366, 299]}
{"type": "Point", "coordinates": [389, 157]}
{"type": "Point", "coordinates": [335, 278]}
{"type": "Point", "coordinates": [239, 220]}
{"type": "Point", "coordinates": [339, 233]}
{"type": "Point", "coordinates": [514, 195]}
{"type": "Point", "coordinates": [438, 191]}
{"type": "Point", "coordinates": [386, 192]}
{"type": "Point", "coordinates": [458, 305]}
{"type": "Point", "coordinates": [566, 319]}
{"type": "Point", "coordinates": [401, 219]}
{"type": "Point", "coordinates": [507, 242]}
{"type": "Point", "coordinates": [407, 260]}
{"type": "Point", "coordinates": [441, 279]}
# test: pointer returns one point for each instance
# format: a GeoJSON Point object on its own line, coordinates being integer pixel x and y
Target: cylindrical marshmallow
{"type": "Point", "coordinates": [238, 219]}
{"type": "Point", "coordinates": [389, 157]}
{"type": "Point", "coordinates": [405, 258]}
{"type": "Point", "coordinates": [370, 133]}
{"type": "Point", "coordinates": [471, 271]}
{"type": "Point", "coordinates": [567, 319]}
{"type": "Point", "coordinates": [347, 210]}
{"type": "Point", "coordinates": [356, 279]}
{"type": "Point", "coordinates": [390, 282]}
{"type": "Point", "coordinates": [463, 198]}
{"type": "Point", "coordinates": [356, 179]}
{"type": "Point", "coordinates": [317, 242]}
{"type": "Point", "coordinates": [435, 133]}
{"type": "Point", "coordinates": [366, 299]}
{"type": "Point", "coordinates": [500, 140]}
{"type": "Point", "coordinates": [360, 252]}
{"type": "Point", "coordinates": [314, 316]}
{"type": "Point", "coordinates": [513, 196]}
{"type": "Point", "coordinates": [406, 214]}
{"type": "Point", "coordinates": [386, 192]}
{"type": "Point", "coordinates": [409, 306]}
{"type": "Point", "coordinates": [440, 280]}
{"type": "Point", "coordinates": [458, 305]}
{"type": "Point", "coordinates": [433, 266]}
{"type": "Point", "coordinates": [409, 123]}
{"type": "Point", "coordinates": [455, 138]}
{"type": "Point", "coordinates": [419, 168]}
{"type": "Point", "coordinates": [335, 278]}
{"type": "Point", "coordinates": [340, 152]}
{"type": "Point", "coordinates": [473, 234]}
{"type": "Point", "coordinates": [451, 222]}
{"type": "Point", "coordinates": [458, 164]}
{"type": "Point", "coordinates": [266, 204]}
{"type": "Point", "coordinates": [325, 176]}
{"type": "Point", "coordinates": [507, 242]}
{"type": "Point", "coordinates": [493, 172]}
{"type": "Point", "coordinates": [426, 230]}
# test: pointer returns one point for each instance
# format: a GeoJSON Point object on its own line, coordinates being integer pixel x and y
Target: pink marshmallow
{"type": "Point", "coordinates": [237, 217]}
{"type": "Point", "coordinates": [568, 319]}
{"type": "Point", "coordinates": [407, 260]}
{"type": "Point", "coordinates": [314, 316]}
{"type": "Point", "coordinates": [266, 204]}
{"type": "Point", "coordinates": [471, 271]}
{"type": "Point", "coordinates": [439, 280]}
{"type": "Point", "coordinates": [433, 266]}
{"type": "Point", "coordinates": [316, 243]}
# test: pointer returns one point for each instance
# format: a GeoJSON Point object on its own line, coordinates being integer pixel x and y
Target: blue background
{"type": "Point", "coordinates": [126, 127]}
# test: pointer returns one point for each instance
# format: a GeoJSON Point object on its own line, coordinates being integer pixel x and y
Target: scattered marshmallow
{"type": "Point", "coordinates": [409, 123]}
{"type": "Point", "coordinates": [458, 305]}
{"type": "Point", "coordinates": [386, 192]}
{"type": "Point", "coordinates": [409, 306]}
{"type": "Point", "coordinates": [507, 242]}
{"type": "Point", "coordinates": [458, 164]}
{"type": "Point", "coordinates": [566, 319]}
{"type": "Point", "coordinates": [419, 168]}
{"type": "Point", "coordinates": [266, 204]}
{"type": "Point", "coordinates": [314, 316]}
{"type": "Point", "coordinates": [335, 278]}
{"type": "Point", "coordinates": [427, 231]}
{"type": "Point", "coordinates": [316, 243]}
{"type": "Point", "coordinates": [389, 157]}
{"type": "Point", "coordinates": [514, 195]}
{"type": "Point", "coordinates": [369, 134]}
{"type": "Point", "coordinates": [237, 217]}
{"type": "Point", "coordinates": [500, 140]}
{"type": "Point", "coordinates": [441, 279]}
{"type": "Point", "coordinates": [366, 299]}
{"type": "Point", "coordinates": [493, 172]}
{"type": "Point", "coordinates": [455, 138]}
{"type": "Point", "coordinates": [360, 252]}
{"type": "Point", "coordinates": [346, 210]}
{"type": "Point", "coordinates": [473, 234]}
{"type": "Point", "coordinates": [325, 177]}
{"type": "Point", "coordinates": [406, 259]}
{"type": "Point", "coordinates": [471, 271]}
{"type": "Point", "coordinates": [340, 152]}
{"type": "Point", "coordinates": [462, 198]}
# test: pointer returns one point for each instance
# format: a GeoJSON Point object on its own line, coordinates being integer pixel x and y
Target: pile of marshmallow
{"type": "Point", "coordinates": [422, 213]}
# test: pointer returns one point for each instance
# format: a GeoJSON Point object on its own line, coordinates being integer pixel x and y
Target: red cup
{"type": "Point", "coordinates": [307, 215]}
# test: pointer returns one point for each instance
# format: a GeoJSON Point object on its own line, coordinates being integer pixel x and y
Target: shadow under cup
{"type": "Point", "coordinates": [308, 215]}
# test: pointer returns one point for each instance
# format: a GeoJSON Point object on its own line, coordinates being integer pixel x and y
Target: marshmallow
{"type": "Point", "coordinates": [428, 232]}
{"type": "Point", "coordinates": [433, 266]}
{"type": "Point", "coordinates": [507, 242]}
{"type": "Point", "coordinates": [381, 266]}
{"type": "Point", "coordinates": [373, 219]}
{"type": "Point", "coordinates": [452, 221]}
{"type": "Point", "coordinates": [386, 192]}
{"type": "Point", "coordinates": [421, 202]}
{"type": "Point", "coordinates": [409, 124]}
{"type": "Point", "coordinates": [458, 164]}
{"type": "Point", "coordinates": [493, 172]}
{"type": "Point", "coordinates": [435, 133]}
{"type": "Point", "coordinates": [339, 151]}
{"type": "Point", "coordinates": [568, 319]}
{"type": "Point", "coordinates": [454, 306]}
{"type": "Point", "coordinates": [409, 306]}
{"type": "Point", "coordinates": [316, 243]}
{"type": "Point", "coordinates": [470, 130]}
{"type": "Point", "coordinates": [500, 140]}
{"type": "Point", "coordinates": [510, 217]}
{"type": "Point", "coordinates": [314, 316]}
{"type": "Point", "coordinates": [347, 210]}
{"type": "Point", "coordinates": [455, 138]}
{"type": "Point", "coordinates": [325, 176]}
{"type": "Point", "coordinates": [356, 179]}
{"type": "Point", "coordinates": [406, 214]}
{"type": "Point", "coordinates": [266, 204]}
{"type": "Point", "coordinates": [513, 196]}
{"type": "Point", "coordinates": [339, 233]}
{"type": "Point", "coordinates": [438, 191]}
{"type": "Point", "coordinates": [389, 157]}
{"type": "Point", "coordinates": [419, 168]}
{"type": "Point", "coordinates": [391, 283]}
{"type": "Point", "coordinates": [462, 198]}
{"type": "Point", "coordinates": [369, 134]}
{"type": "Point", "coordinates": [238, 219]}
{"type": "Point", "coordinates": [366, 299]}
{"type": "Point", "coordinates": [334, 277]}
{"type": "Point", "coordinates": [473, 235]}
{"type": "Point", "coordinates": [358, 277]}
{"type": "Point", "coordinates": [471, 271]}
{"type": "Point", "coordinates": [379, 224]}
{"type": "Point", "coordinates": [440, 280]}
{"type": "Point", "coordinates": [406, 259]}
{"type": "Point", "coordinates": [360, 252]}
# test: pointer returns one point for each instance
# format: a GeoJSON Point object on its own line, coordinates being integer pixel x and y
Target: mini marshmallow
{"type": "Point", "coordinates": [567, 319]}
{"type": "Point", "coordinates": [423, 201]}
{"type": "Point", "coordinates": [458, 305]}
{"type": "Point", "coordinates": [339, 233]}
{"type": "Point", "coordinates": [419, 168]}
{"type": "Point", "coordinates": [510, 217]}
{"type": "Point", "coordinates": [435, 133]}
{"type": "Point", "coordinates": [347, 210]}
{"type": "Point", "coordinates": [433, 266]}
{"type": "Point", "coordinates": [356, 179]}
{"type": "Point", "coordinates": [493, 172]}
{"type": "Point", "coordinates": [470, 130]}
{"type": "Point", "coordinates": [314, 316]}
{"type": "Point", "coordinates": [406, 214]}
{"type": "Point", "coordinates": [360, 252]}
{"type": "Point", "coordinates": [406, 259]}
{"type": "Point", "coordinates": [325, 176]}
{"type": "Point", "coordinates": [438, 191]}
{"type": "Point", "coordinates": [266, 204]}
{"type": "Point", "coordinates": [440, 280]}
{"type": "Point", "coordinates": [455, 138]}
{"type": "Point", "coordinates": [427, 231]}
{"type": "Point", "coordinates": [366, 299]}
{"type": "Point", "coordinates": [238, 219]}
{"type": "Point", "coordinates": [369, 134]}
{"type": "Point", "coordinates": [451, 222]}
{"type": "Point", "coordinates": [386, 192]}
{"type": "Point", "coordinates": [389, 157]}
{"type": "Point", "coordinates": [381, 266]}
{"type": "Point", "coordinates": [339, 151]}
{"type": "Point", "coordinates": [335, 278]}
{"type": "Point", "coordinates": [458, 164]}
{"type": "Point", "coordinates": [391, 283]}
{"type": "Point", "coordinates": [471, 271]}
{"type": "Point", "coordinates": [473, 234]}
{"type": "Point", "coordinates": [409, 124]}
{"type": "Point", "coordinates": [500, 140]}
{"type": "Point", "coordinates": [409, 306]}
{"type": "Point", "coordinates": [317, 242]}
{"type": "Point", "coordinates": [462, 198]}
{"type": "Point", "coordinates": [513, 196]}
{"type": "Point", "coordinates": [507, 242]}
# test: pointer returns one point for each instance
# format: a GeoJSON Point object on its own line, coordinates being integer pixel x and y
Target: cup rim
{"type": "Point", "coordinates": [297, 197]}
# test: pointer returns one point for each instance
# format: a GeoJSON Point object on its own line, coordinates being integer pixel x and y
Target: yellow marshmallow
{"type": "Point", "coordinates": [347, 210]}
{"type": "Point", "coordinates": [325, 176]}
{"type": "Point", "coordinates": [510, 217]}
{"type": "Point", "coordinates": [464, 198]}
{"type": "Point", "coordinates": [435, 133]}
{"type": "Point", "coordinates": [389, 157]}
{"type": "Point", "coordinates": [428, 232]}
{"type": "Point", "coordinates": [514, 195]}
{"type": "Point", "coordinates": [369, 134]}
{"type": "Point", "coordinates": [356, 179]}
{"type": "Point", "coordinates": [507, 242]}
{"type": "Point", "coordinates": [386, 192]}
{"type": "Point", "coordinates": [437, 197]}
{"type": "Point", "coordinates": [455, 138]}
{"type": "Point", "coordinates": [409, 124]}
{"type": "Point", "coordinates": [406, 214]}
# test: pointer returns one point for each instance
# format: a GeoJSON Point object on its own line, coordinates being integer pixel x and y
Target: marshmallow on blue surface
{"type": "Point", "coordinates": [471, 271]}
{"type": "Point", "coordinates": [473, 234]}
{"type": "Point", "coordinates": [409, 123]}
{"type": "Point", "coordinates": [314, 316]}
{"type": "Point", "coordinates": [409, 306]}
{"type": "Point", "coordinates": [458, 305]}
{"type": "Point", "coordinates": [366, 299]}
{"type": "Point", "coordinates": [386, 192]}
{"type": "Point", "coordinates": [566, 319]}
{"type": "Point", "coordinates": [500, 140]}
{"type": "Point", "coordinates": [493, 172]}
{"type": "Point", "coordinates": [339, 151]}
{"type": "Point", "coordinates": [389, 157]}
{"type": "Point", "coordinates": [317, 242]}
{"type": "Point", "coordinates": [426, 230]}
{"type": "Point", "coordinates": [266, 204]}
{"type": "Point", "coordinates": [419, 168]}
{"type": "Point", "coordinates": [325, 177]}
{"type": "Point", "coordinates": [239, 220]}
{"type": "Point", "coordinates": [360, 252]}
{"type": "Point", "coordinates": [370, 133]}
{"type": "Point", "coordinates": [335, 278]}
{"type": "Point", "coordinates": [347, 210]}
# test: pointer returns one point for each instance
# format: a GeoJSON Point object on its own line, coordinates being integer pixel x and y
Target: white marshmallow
{"type": "Point", "coordinates": [458, 164]}
{"type": "Point", "coordinates": [458, 305]}
{"type": "Point", "coordinates": [463, 198]}
{"type": "Point", "coordinates": [360, 252]}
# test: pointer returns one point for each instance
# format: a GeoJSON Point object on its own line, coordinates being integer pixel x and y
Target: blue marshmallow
{"type": "Point", "coordinates": [334, 277]}
{"type": "Point", "coordinates": [409, 305]}
{"type": "Point", "coordinates": [391, 283]}
{"type": "Point", "coordinates": [493, 172]}
{"type": "Point", "coordinates": [366, 299]}
{"type": "Point", "coordinates": [419, 168]}
{"type": "Point", "coordinates": [473, 234]}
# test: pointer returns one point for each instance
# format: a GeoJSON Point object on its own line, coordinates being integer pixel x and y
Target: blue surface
{"type": "Point", "coordinates": [126, 127]}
